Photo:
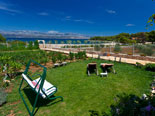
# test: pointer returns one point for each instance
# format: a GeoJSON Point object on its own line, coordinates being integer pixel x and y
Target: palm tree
{"type": "Point", "coordinates": [62, 42]}
{"type": "Point", "coordinates": [55, 41]}
{"type": "Point", "coordinates": [85, 41]}
{"type": "Point", "coordinates": [79, 42]}
{"type": "Point", "coordinates": [50, 42]}
{"type": "Point", "coordinates": [74, 42]}
{"type": "Point", "coordinates": [69, 42]}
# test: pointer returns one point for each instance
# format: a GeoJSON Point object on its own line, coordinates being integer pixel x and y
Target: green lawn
{"type": "Point", "coordinates": [81, 92]}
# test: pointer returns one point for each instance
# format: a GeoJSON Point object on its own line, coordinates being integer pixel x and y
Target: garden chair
{"type": "Point", "coordinates": [57, 64]}
{"type": "Point", "coordinates": [92, 68]}
{"type": "Point", "coordinates": [42, 87]}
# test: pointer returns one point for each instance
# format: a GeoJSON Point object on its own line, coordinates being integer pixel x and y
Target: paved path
{"type": "Point", "coordinates": [112, 58]}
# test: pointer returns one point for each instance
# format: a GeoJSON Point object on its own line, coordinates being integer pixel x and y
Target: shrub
{"type": "Point", "coordinates": [97, 48]}
{"type": "Point", "coordinates": [117, 48]}
{"type": "Point", "coordinates": [71, 56]}
{"type": "Point", "coordinates": [54, 59]}
{"type": "Point", "coordinates": [148, 51]}
{"type": "Point", "coordinates": [139, 65]}
{"type": "Point", "coordinates": [64, 57]}
{"type": "Point", "coordinates": [30, 46]}
{"type": "Point", "coordinates": [77, 56]}
{"type": "Point", "coordinates": [3, 96]}
{"type": "Point", "coordinates": [60, 57]}
{"type": "Point", "coordinates": [36, 45]}
{"type": "Point", "coordinates": [150, 67]}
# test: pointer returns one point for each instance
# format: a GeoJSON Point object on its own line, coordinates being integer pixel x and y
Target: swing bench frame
{"type": "Point", "coordinates": [40, 83]}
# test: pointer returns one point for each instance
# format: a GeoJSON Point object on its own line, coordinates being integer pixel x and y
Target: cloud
{"type": "Point", "coordinates": [43, 13]}
{"type": "Point", "coordinates": [8, 8]}
{"type": "Point", "coordinates": [81, 20]}
{"type": "Point", "coordinates": [68, 18]}
{"type": "Point", "coordinates": [129, 25]}
{"type": "Point", "coordinates": [52, 32]}
{"type": "Point", "coordinates": [110, 11]}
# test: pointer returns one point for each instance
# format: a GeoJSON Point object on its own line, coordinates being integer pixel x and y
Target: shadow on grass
{"type": "Point", "coordinates": [31, 96]}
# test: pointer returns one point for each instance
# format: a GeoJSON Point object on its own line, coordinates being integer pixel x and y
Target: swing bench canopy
{"type": "Point", "coordinates": [39, 85]}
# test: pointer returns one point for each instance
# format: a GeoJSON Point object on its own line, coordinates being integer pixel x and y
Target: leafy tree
{"type": "Point", "coordinates": [117, 48]}
{"type": "Point", "coordinates": [123, 37]}
{"type": "Point", "coordinates": [62, 42]}
{"type": "Point", "coordinates": [69, 41]}
{"type": "Point", "coordinates": [79, 42]}
{"type": "Point", "coordinates": [142, 37]}
{"type": "Point", "coordinates": [36, 44]}
{"type": "Point", "coordinates": [55, 41]}
{"type": "Point", "coordinates": [2, 39]}
{"type": "Point", "coordinates": [151, 20]}
{"type": "Point", "coordinates": [85, 41]}
{"type": "Point", "coordinates": [30, 46]}
{"type": "Point", "coordinates": [151, 36]}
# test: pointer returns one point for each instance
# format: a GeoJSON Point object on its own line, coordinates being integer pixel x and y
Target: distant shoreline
{"type": "Point", "coordinates": [47, 40]}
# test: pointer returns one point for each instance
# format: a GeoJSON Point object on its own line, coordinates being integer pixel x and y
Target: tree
{"type": "Point", "coordinates": [2, 39]}
{"type": "Point", "coordinates": [141, 37]}
{"type": "Point", "coordinates": [36, 44]}
{"type": "Point", "coordinates": [79, 42]}
{"type": "Point", "coordinates": [30, 46]}
{"type": "Point", "coordinates": [117, 48]}
{"type": "Point", "coordinates": [151, 36]}
{"type": "Point", "coordinates": [62, 42]}
{"type": "Point", "coordinates": [55, 41]}
{"type": "Point", "coordinates": [85, 41]}
{"type": "Point", "coordinates": [151, 20]}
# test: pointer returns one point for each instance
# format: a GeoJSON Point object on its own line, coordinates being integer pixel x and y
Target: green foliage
{"type": "Point", "coordinates": [64, 57]}
{"type": "Point", "coordinates": [150, 67]}
{"type": "Point", "coordinates": [78, 42]}
{"type": "Point", "coordinates": [60, 57]}
{"type": "Point", "coordinates": [103, 38]}
{"type": "Point", "coordinates": [97, 48]}
{"type": "Point", "coordinates": [131, 105]}
{"type": "Point", "coordinates": [80, 55]}
{"type": "Point", "coordinates": [139, 65]}
{"type": "Point", "coordinates": [2, 39]}
{"type": "Point", "coordinates": [140, 37]}
{"type": "Point", "coordinates": [151, 20]}
{"type": "Point", "coordinates": [30, 46]}
{"type": "Point", "coordinates": [146, 50]}
{"type": "Point", "coordinates": [117, 48]}
{"type": "Point", "coordinates": [71, 56]}
{"type": "Point", "coordinates": [3, 96]}
{"type": "Point", "coordinates": [36, 45]}
{"type": "Point", "coordinates": [151, 36]}
{"type": "Point", "coordinates": [54, 59]}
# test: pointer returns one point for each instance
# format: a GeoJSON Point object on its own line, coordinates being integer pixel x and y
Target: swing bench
{"type": "Point", "coordinates": [42, 87]}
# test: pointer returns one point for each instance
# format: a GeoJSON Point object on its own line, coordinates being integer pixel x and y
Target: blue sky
{"type": "Point", "coordinates": [89, 17]}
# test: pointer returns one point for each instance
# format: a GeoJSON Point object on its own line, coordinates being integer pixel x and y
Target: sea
{"type": "Point", "coordinates": [59, 41]}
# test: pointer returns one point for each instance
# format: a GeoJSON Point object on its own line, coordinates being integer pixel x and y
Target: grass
{"type": "Point", "coordinates": [81, 92]}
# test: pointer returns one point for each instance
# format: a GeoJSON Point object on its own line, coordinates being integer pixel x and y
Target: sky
{"type": "Point", "coordinates": [88, 17]}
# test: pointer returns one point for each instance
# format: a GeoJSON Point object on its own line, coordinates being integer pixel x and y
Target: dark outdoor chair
{"type": "Point", "coordinates": [92, 68]}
